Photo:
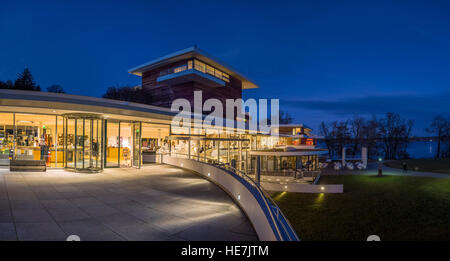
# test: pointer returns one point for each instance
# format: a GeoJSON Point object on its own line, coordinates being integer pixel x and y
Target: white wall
{"type": "Point", "coordinates": [303, 188]}
{"type": "Point", "coordinates": [233, 187]}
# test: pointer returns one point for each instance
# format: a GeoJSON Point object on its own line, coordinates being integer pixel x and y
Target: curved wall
{"type": "Point", "coordinates": [236, 189]}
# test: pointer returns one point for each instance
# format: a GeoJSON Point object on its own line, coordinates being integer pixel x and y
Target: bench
{"type": "Point", "coordinates": [27, 165]}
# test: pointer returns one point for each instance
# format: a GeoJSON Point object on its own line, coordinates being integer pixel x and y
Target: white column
{"type": "Point", "coordinates": [364, 155]}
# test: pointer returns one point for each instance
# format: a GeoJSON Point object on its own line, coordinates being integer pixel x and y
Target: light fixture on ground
{"type": "Point", "coordinates": [322, 188]}
{"type": "Point", "coordinates": [239, 196]}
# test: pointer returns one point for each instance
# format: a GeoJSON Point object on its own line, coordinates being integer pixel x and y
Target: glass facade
{"type": "Point", "coordinates": [198, 66]}
{"type": "Point", "coordinates": [284, 165]}
{"type": "Point", "coordinates": [79, 142]}
{"type": "Point", "coordinates": [88, 142]}
{"type": "Point", "coordinates": [6, 137]}
{"type": "Point", "coordinates": [83, 143]}
{"type": "Point", "coordinates": [35, 138]}
{"type": "Point", "coordinates": [209, 146]}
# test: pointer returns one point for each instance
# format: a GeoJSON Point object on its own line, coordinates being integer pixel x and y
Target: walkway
{"type": "Point", "coordinates": [155, 203]}
{"type": "Point", "coordinates": [372, 169]}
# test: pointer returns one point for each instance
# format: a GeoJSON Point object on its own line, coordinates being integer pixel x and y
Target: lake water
{"type": "Point", "coordinates": [416, 149]}
{"type": "Point", "coordinates": [422, 149]}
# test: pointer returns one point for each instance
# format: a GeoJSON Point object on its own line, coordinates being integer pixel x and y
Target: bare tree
{"type": "Point", "coordinates": [56, 88]}
{"type": "Point", "coordinates": [285, 118]}
{"type": "Point", "coordinates": [341, 132]}
{"type": "Point", "coordinates": [439, 127]}
{"type": "Point", "coordinates": [357, 125]}
{"type": "Point", "coordinates": [369, 136]}
{"type": "Point", "coordinates": [394, 133]}
{"type": "Point", "coordinates": [324, 130]}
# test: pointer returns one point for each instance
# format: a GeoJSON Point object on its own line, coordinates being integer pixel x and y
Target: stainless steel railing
{"type": "Point", "coordinates": [283, 228]}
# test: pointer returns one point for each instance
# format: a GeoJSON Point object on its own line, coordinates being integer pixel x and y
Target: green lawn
{"type": "Point", "coordinates": [429, 165]}
{"type": "Point", "coordinates": [392, 207]}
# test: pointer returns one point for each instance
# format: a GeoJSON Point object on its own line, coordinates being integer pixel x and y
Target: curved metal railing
{"type": "Point", "coordinates": [282, 228]}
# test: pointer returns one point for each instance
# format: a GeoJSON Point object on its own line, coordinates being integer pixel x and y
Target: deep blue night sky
{"type": "Point", "coordinates": [324, 60]}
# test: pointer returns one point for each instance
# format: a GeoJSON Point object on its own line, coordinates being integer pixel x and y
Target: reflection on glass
{"type": "Point", "coordinates": [59, 156]}
{"type": "Point", "coordinates": [6, 138]}
{"type": "Point", "coordinates": [180, 148]}
{"type": "Point", "coordinates": [112, 144]}
{"type": "Point", "coordinates": [137, 144]}
{"type": "Point", "coordinates": [70, 143]}
{"type": "Point", "coordinates": [96, 144]}
{"type": "Point", "coordinates": [79, 140]}
{"type": "Point", "coordinates": [126, 144]}
{"type": "Point", "coordinates": [35, 137]}
{"type": "Point", "coordinates": [223, 151]}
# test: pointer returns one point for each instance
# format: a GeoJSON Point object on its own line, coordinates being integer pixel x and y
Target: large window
{"type": "Point", "coordinates": [6, 137]}
{"type": "Point", "coordinates": [199, 66]}
{"type": "Point", "coordinates": [112, 144]}
{"type": "Point", "coordinates": [123, 144]}
{"type": "Point", "coordinates": [70, 143]}
{"type": "Point", "coordinates": [154, 138]}
{"type": "Point", "coordinates": [126, 144]}
{"type": "Point", "coordinates": [59, 156]}
{"type": "Point", "coordinates": [36, 138]}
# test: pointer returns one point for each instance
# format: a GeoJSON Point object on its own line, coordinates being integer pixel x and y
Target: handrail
{"type": "Point", "coordinates": [283, 228]}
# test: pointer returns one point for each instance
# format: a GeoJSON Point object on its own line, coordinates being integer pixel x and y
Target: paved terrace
{"type": "Point", "coordinates": [158, 202]}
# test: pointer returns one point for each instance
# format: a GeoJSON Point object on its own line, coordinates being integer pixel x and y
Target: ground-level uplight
{"type": "Point", "coordinates": [322, 188]}
{"type": "Point", "coordinates": [209, 174]}
{"type": "Point", "coordinates": [239, 197]}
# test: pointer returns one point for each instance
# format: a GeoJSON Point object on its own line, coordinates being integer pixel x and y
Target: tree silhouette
{"type": "Point", "coordinates": [56, 88]}
{"type": "Point", "coordinates": [438, 126]}
{"type": "Point", "coordinates": [128, 93]}
{"type": "Point", "coordinates": [25, 82]}
{"type": "Point", "coordinates": [285, 117]}
{"type": "Point", "coordinates": [6, 85]}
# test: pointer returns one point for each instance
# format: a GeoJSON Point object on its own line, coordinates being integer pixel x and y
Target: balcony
{"type": "Point", "coordinates": [190, 75]}
{"type": "Point", "coordinates": [194, 70]}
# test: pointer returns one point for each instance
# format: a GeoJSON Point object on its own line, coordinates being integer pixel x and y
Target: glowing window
{"type": "Point", "coordinates": [199, 66]}
{"type": "Point", "coordinates": [225, 77]}
{"type": "Point", "coordinates": [179, 69]}
{"type": "Point", "coordinates": [210, 70]}
{"type": "Point", "coordinates": [218, 74]}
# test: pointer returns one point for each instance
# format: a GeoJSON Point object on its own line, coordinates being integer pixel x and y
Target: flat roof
{"type": "Point", "coordinates": [294, 125]}
{"type": "Point", "coordinates": [192, 52]}
{"type": "Point", "coordinates": [59, 103]}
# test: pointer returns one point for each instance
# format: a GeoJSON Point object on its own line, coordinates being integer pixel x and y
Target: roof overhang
{"type": "Point", "coordinates": [192, 52]}
{"type": "Point", "coordinates": [191, 75]}
{"type": "Point", "coordinates": [294, 125]}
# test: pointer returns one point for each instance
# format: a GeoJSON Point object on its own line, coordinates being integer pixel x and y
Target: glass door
{"type": "Point", "coordinates": [83, 144]}
{"type": "Point", "coordinates": [137, 134]}
{"type": "Point", "coordinates": [126, 144]}
{"type": "Point", "coordinates": [70, 143]}
{"type": "Point", "coordinates": [96, 144]}
{"type": "Point", "coordinates": [112, 144]}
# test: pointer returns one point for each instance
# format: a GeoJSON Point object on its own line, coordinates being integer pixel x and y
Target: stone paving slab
{"type": "Point", "coordinates": [157, 202]}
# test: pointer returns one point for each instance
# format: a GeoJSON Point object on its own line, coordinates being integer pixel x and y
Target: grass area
{"type": "Point", "coordinates": [428, 165]}
{"type": "Point", "coordinates": [392, 207]}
